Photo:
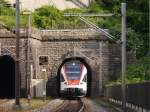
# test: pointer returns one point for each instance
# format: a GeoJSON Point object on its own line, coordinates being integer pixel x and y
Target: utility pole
{"type": "Point", "coordinates": [28, 56]}
{"type": "Point", "coordinates": [149, 25]}
{"type": "Point", "coordinates": [44, 84]}
{"type": "Point", "coordinates": [123, 35]}
{"type": "Point", "coordinates": [17, 68]}
{"type": "Point", "coordinates": [149, 35]}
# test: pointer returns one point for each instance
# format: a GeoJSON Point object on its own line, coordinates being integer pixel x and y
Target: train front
{"type": "Point", "coordinates": [73, 79]}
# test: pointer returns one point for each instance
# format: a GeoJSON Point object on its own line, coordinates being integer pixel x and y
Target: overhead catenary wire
{"type": "Point", "coordinates": [88, 15]}
{"type": "Point", "coordinates": [97, 28]}
{"type": "Point", "coordinates": [94, 26]}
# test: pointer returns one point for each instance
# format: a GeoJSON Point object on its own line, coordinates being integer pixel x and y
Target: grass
{"type": "Point", "coordinates": [34, 104]}
{"type": "Point", "coordinates": [119, 82]}
{"type": "Point", "coordinates": [11, 20]}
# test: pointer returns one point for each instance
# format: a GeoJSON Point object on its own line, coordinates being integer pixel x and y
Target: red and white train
{"type": "Point", "coordinates": [73, 78]}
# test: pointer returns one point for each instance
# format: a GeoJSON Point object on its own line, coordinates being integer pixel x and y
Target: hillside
{"type": "Point", "coordinates": [60, 4]}
{"type": "Point", "coordinates": [48, 17]}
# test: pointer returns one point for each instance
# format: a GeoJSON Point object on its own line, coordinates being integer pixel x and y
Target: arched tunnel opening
{"type": "Point", "coordinates": [89, 73]}
{"type": "Point", "coordinates": [7, 77]}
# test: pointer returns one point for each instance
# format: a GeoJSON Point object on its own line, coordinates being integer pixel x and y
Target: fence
{"type": "Point", "coordinates": [137, 95]}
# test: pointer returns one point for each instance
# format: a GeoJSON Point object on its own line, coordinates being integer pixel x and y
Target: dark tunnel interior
{"type": "Point", "coordinates": [7, 77]}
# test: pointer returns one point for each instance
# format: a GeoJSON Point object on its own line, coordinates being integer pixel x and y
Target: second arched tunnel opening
{"type": "Point", "coordinates": [7, 80]}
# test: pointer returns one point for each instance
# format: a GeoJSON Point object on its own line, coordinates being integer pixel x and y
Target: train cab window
{"type": "Point", "coordinates": [73, 71]}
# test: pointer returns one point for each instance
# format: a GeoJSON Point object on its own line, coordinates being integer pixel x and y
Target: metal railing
{"type": "Point", "coordinates": [137, 95]}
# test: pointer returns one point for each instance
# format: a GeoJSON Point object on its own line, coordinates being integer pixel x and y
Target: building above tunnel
{"type": "Point", "coordinates": [60, 4]}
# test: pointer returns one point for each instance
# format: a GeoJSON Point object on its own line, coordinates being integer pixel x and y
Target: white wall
{"type": "Point", "coordinates": [60, 4]}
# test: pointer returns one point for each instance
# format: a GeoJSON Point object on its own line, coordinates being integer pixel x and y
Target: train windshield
{"type": "Point", "coordinates": [73, 71]}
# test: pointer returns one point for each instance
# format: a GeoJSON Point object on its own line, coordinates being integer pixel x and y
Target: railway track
{"type": "Point", "coordinates": [76, 105]}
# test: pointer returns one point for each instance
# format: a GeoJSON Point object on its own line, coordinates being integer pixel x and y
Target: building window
{"type": "Point", "coordinates": [43, 60]}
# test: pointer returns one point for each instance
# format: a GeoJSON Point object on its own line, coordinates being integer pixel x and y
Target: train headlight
{"type": "Point", "coordinates": [81, 83]}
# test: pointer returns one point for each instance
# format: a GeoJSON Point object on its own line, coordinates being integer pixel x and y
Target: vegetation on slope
{"type": "Point", "coordinates": [7, 15]}
{"type": "Point", "coordinates": [136, 73]}
{"type": "Point", "coordinates": [48, 17]}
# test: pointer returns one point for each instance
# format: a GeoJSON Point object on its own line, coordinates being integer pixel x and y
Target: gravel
{"type": "Point", "coordinates": [99, 106]}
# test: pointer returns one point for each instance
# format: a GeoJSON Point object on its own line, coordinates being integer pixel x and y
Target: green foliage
{"type": "Point", "coordinates": [137, 22]}
{"type": "Point", "coordinates": [74, 10]}
{"type": "Point", "coordinates": [137, 40]}
{"type": "Point", "coordinates": [11, 20]}
{"type": "Point", "coordinates": [6, 10]}
{"type": "Point", "coordinates": [134, 42]}
{"type": "Point", "coordinates": [8, 20]}
{"type": "Point", "coordinates": [95, 8]}
{"type": "Point", "coordinates": [50, 12]}
{"type": "Point", "coordinates": [47, 16]}
{"type": "Point", "coordinates": [128, 81]}
{"type": "Point", "coordinates": [138, 19]}
{"type": "Point", "coordinates": [7, 15]}
{"type": "Point", "coordinates": [136, 73]}
{"type": "Point", "coordinates": [146, 63]}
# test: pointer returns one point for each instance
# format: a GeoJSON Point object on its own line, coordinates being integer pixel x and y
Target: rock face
{"type": "Point", "coordinates": [60, 4]}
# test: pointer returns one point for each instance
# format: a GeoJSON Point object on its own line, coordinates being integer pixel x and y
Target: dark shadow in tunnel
{"type": "Point", "coordinates": [7, 77]}
{"type": "Point", "coordinates": [51, 87]}
{"type": "Point", "coordinates": [89, 74]}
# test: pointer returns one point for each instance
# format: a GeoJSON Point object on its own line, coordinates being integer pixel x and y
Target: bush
{"type": "Point", "coordinates": [136, 73]}
{"type": "Point", "coordinates": [45, 16]}
{"type": "Point", "coordinates": [95, 8]}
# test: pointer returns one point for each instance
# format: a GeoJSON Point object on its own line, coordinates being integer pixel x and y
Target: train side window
{"type": "Point", "coordinates": [85, 78]}
{"type": "Point", "coordinates": [62, 78]}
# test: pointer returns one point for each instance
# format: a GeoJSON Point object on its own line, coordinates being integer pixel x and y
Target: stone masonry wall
{"type": "Point", "coordinates": [102, 55]}
{"type": "Point", "coordinates": [58, 51]}
{"type": "Point", "coordinates": [7, 46]}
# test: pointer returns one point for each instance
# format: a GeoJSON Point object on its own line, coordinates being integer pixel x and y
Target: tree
{"type": "Point", "coordinates": [137, 21]}
{"type": "Point", "coordinates": [44, 16]}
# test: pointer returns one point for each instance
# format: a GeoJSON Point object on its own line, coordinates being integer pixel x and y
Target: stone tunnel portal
{"type": "Point", "coordinates": [89, 73]}
{"type": "Point", "coordinates": [7, 74]}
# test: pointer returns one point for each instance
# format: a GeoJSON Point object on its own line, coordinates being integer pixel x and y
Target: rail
{"type": "Point", "coordinates": [60, 106]}
{"type": "Point", "coordinates": [71, 106]}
